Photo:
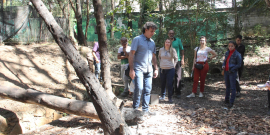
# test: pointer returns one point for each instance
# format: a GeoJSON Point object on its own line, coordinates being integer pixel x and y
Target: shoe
{"type": "Point", "coordinates": [191, 95]}
{"type": "Point", "coordinates": [178, 96]}
{"type": "Point", "coordinates": [230, 105]}
{"type": "Point", "coordinates": [170, 101]}
{"type": "Point", "coordinates": [124, 94]}
{"type": "Point", "coordinates": [237, 94]}
{"type": "Point", "coordinates": [200, 95]}
{"type": "Point", "coordinates": [227, 102]}
{"type": "Point", "coordinates": [268, 113]}
{"type": "Point", "coordinates": [162, 98]}
{"type": "Point", "coordinates": [145, 113]}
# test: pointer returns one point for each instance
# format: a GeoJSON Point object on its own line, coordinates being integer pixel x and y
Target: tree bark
{"type": "Point", "coordinates": [267, 3]}
{"type": "Point", "coordinates": [102, 40]}
{"type": "Point", "coordinates": [107, 111]}
{"type": "Point", "coordinates": [70, 106]}
{"type": "Point", "coordinates": [78, 14]}
{"type": "Point", "coordinates": [112, 19]}
{"type": "Point", "coordinates": [88, 19]}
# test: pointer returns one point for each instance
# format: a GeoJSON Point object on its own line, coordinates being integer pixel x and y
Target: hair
{"type": "Point", "coordinates": [148, 25]}
{"type": "Point", "coordinates": [123, 38]}
{"type": "Point", "coordinates": [203, 37]}
{"type": "Point", "coordinates": [171, 49]}
{"type": "Point", "coordinates": [232, 43]}
{"type": "Point", "coordinates": [239, 36]}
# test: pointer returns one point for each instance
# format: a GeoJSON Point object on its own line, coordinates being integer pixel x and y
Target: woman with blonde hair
{"type": "Point", "coordinates": [200, 66]}
{"type": "Point", "coordinates": [168, 59]}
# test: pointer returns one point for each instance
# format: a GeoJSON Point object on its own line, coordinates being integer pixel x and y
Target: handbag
{"type": "Point", "coordinates": [198, 65]}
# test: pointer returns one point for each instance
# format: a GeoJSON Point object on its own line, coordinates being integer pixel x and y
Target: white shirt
{"type": "Point", "coordinates": [202, 54]}
{"type": "Point", "coordinates": [121, 49]}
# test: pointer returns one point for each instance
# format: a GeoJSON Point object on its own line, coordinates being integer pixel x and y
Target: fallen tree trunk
{"type": "Point", "coordinates": [70, 106]}
{"type": "Point", "coordinates": [108, 113]}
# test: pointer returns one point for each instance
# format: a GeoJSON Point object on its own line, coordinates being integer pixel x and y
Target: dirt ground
{"type": "Point", "coordinates": [43, 67]}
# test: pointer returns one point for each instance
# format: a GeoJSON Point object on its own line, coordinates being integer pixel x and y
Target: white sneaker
{"type": "Point", "coordinates": [191, 95]}
{"type": "Point", "coordinates": [200, 95]}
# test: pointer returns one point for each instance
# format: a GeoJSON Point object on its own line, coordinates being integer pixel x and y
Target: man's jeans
{"type": "Point", "coordinates": [166, 79]}
{"type": "Point", "coordinates": [97, 69]}
{"type": "Point", "coordinates": [124, 77]}
{"type": "Point", "coordinates": [230, 81]}
{"type": "Point", "coordinates": [143, 85]}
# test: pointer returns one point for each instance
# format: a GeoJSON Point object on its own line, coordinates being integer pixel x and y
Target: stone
{"type": "Point", "coordinates": [154, 99]}
{"type": "Point", "coordinates": [40, 112]}
{"type": "Point", "coordinates": [42, 121]}
{"type": "Point", "coordinates": [56, 116]}
{"type": "Point", "coordinates": [16, 130]}
{"type": "Point", "coordinates": [49, 112]}
{"type": "Point", "coordinates": [3, 124]}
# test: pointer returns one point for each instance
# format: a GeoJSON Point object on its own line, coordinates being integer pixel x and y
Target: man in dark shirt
{"type": "Point", "coordinates": [241, 49]}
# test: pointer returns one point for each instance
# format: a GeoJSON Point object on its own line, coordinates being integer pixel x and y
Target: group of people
{"type": "Point", "coordinates": [141, 61]}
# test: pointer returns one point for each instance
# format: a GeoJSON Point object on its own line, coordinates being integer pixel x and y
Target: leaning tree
{"type": "Point", "coordinates": [108, 113]}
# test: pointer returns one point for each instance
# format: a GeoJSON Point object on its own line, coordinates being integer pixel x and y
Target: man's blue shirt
{"type": "Point", "coordinates": [144, 52]}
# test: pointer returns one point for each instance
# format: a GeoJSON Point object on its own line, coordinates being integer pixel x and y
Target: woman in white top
{"type": "Point", "coordinates": [201, 57]}
{"type": "Point", "coordinates": [168, 59]}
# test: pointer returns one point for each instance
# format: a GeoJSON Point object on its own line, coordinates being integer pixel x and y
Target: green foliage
{"type": "Point", "coordinates": [113, 45]}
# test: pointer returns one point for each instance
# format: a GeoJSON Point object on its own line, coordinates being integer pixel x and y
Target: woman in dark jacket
{"type": "Point", "coordinates": [230, 65]}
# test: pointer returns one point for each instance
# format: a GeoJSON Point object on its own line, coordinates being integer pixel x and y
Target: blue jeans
{"type": "Point", "coordinates": [97, 68]}
{"type": "Point", "coordinates": [230, 81]}
{"type": "Point", "coordinates": [166, 79]}
{"type": "Point", "coordinates": [143, 85]}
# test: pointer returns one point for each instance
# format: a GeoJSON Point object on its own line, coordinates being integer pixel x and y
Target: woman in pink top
{"type": "Point", "coordinates": [201, 57]}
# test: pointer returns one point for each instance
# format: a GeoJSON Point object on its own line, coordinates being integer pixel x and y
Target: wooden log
{"type": "Point", "coordinates": [70, 106]}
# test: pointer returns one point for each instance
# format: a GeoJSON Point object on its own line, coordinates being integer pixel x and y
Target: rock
{"type": "Point", "coordinates": [16, 130]}
{"type": "Point", "coordinates": [42, 121]}
{"type": "Point", "coordinates": [40, 112]}
{"type": "Point", "coordinates": [3, 124]}
{"type": "Point", "coordinates": [56, 116]}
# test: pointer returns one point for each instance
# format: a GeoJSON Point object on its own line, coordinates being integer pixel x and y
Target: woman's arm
{"type": "Point", "coordinates": [214, 54]}
{"type": "Point", "coordinates": [194, 60]}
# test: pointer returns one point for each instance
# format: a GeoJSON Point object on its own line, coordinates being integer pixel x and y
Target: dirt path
{"type": "Point", "coordinates": [44, 69]}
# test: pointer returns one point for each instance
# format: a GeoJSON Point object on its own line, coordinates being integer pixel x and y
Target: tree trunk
{"type": "Point", "coordinates": [128, 10]}
{"type": "Point", "coordinates": [112, 19]}
{"type": "Point", "coordinates": [78, 14]}
{"type": "Point", "coordinates": [267, 3]}
{"type": "Point", "coordinates": [160, 23]}
{"type": "Point", "coordinates": [70, 106]}
{"type": "Point", "coordinates": [102, 40]}
{"type": "Point", "coordinates": [141, 20]}
{"type": "Point", "coordinates": [236, 20]}
{"type": "Point", "coordinates": [88, 19]}
{"type": "Point", "coordinates": [107, 111]}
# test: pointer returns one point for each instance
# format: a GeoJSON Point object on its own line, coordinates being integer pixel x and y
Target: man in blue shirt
{"type": "Point", "coordinates": [142, 54]}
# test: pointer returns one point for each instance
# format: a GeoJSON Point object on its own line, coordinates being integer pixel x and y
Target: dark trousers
{"type": "Point", "coordinates": [240, 71]}
{"type": "Point", "coordinates": [177, 79]}
{"type": "Point", "coordinates": [166, 79]}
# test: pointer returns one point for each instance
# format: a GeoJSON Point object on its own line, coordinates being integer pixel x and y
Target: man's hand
{"type": "Point", "coordinates": [155, 73]}
{"type": "Point", "coordinates": [132, 74]}
{"type": "Point", "coordinates": [97, 61]}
